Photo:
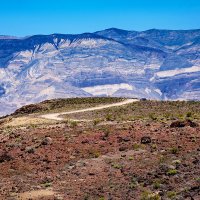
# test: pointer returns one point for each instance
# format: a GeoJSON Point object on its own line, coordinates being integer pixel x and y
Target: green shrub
{"type": "Point", "coordinates": [174, 150]}
{"type": "Point", "coordinates": [108, 117]}
{"type": "Point", "coordinates": [74, 123]}
{"type": "Point", "coordinates": [150, 196]}
{"type": "Point", "coordinates": [152, 116]}
{"type": "Point", "coordinates": [116, 166]}
{"type": "Point", "coordinates": [130, 158]}
{"type": "Point", "coordinates": [96, 121]}
{"type": "Point", "coordinates": [95, 154]}
{"type": "Point", "coordinates": [189, 114]}
{"type": "Point", "coordinates": [106, 132]}
{"type": "Point", "coordinates": [172, 172]}
{"type": "Point", "coordinates": [136, 146]}
{"type": "Point", "coordinates": [197, 179]}
{"type": "Point", "coordinates": [156, 184]}
{"type": "Point", "coordinates": [171, 195]}
{"type": "Point", "coordinates": [47, 184]}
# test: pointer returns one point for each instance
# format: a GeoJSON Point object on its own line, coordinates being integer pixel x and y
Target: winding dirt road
{"type": "Point", "coordinates": [56, 116]}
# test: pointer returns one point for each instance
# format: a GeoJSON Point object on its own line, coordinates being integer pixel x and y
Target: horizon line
{"type": "Point", "coordinates": [112, 28]}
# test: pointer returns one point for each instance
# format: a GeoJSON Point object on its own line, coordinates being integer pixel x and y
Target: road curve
{"type": "Point", "coordinates": [55, 116]}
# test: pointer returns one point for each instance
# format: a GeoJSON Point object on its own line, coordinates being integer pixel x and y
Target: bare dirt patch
{"type": "Point", "coordinates": [35, 195]}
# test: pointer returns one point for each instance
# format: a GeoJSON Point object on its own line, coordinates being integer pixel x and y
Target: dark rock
{"type": "Point", "coordinates": [47, 179]}
{"type": "Point", "coordinates": [122, 148]}
{"type": "Point", "coordinates": [5, 157]}
{"type": "Point", "coordinates": [179, 124]}
{"type": "Point", "coordinates": [85, 141]}
{"type": "Point", "coordinates": [30, 150]}
{"type": "Point", "coordinates": [119, 139]}
{"type": "Point", "coordinates": [164, 167]}
{"type": "Point", "coordinates": [196, 161]}
{"type": "Point", "coordinates": [126, 139]}
{"type": "Point", "coordinates": [145, 140]}
{"type": "Point", "coordinates": [46, 141]}
{"type": "Point", "coordinates": [91, 174]}
{"type": "Point", "coordinates": [195, 188]}
{"type": "Point", "coordinates": [28, 109]}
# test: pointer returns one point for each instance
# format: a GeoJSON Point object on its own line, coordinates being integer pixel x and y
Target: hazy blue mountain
{"type": "Point", "coordinates": [154, 64]}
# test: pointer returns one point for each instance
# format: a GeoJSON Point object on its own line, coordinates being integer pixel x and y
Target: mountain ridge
{"type": "Point", "coordinates": [112, 62]}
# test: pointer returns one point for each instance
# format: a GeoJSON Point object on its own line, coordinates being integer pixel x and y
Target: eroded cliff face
{"type": "Point", "coordinates": [154, 64]}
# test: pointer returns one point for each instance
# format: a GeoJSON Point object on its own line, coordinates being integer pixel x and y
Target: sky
{"type": "Point", "coordinates": [30, 17]}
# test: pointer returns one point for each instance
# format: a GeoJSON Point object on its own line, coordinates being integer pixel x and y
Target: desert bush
{"type": "Point", "coordinates": [174, 150]}
{"type": "Point", "coordinates": [146, 195]}
{"type": "Point", "coordinates": [96, 121]}
{"type": "Point", "coordinates": [172, 172]}
{"type": "Point", "coordinates": [171, 195]}
{"type": "Point", "coordinates": [189, 114]}
{"type": "Point", "coordinates": [156, 184]}
{"type": "Point", "coordinates": [152, 116]}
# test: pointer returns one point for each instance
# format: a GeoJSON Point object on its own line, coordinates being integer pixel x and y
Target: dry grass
{"type": "Point", "coordinates": [35, 194]}
{"type": "Point", "coordinates": [27, 121]}
{"type": "Point", "coordinates": [63, 105]}
{"type": "Point", "coordinates": [145, 110]}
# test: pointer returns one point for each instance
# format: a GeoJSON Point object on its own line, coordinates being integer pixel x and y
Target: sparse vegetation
{"type": "Point", "coordinates": [189, 114]}
{"type": "Point", "coordinates": [174, 150]}
{"type": "Point", "coordinates": [156, 184]}
{"type": "Point", "coordinates": [156, 111]}
{"type": "Point", "coordinates": [136, 154]}
{"type": "Point", "coordinates": [136, 146]}
{"type": "Point", "coordinates": [60, 105]}
{"type": "Point", "coordinates": [171, 195]}
{"type": "Point", "coordinates": [94, 153]}
{"type": "Point", "coordinates": [96, 121]}
{"type": "Point", "coordinates": [116, 166]}
{"type": "Point", "coordinates": [172, 172]}
{"type": "Point", "coordinates": [130, 158]}
{"type": "Point", "coordinates": [146, 195]}
{"type": "Point", "coordinates": [46, 185]}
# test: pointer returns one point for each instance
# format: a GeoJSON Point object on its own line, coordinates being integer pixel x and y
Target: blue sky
{"type": "Point", "coordinates": [28, 17]}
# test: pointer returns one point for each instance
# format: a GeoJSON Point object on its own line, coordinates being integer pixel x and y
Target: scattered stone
{"type": "Point", "coordinates": [91, 173]}
{"type": "Point", "coordinates": [85, 141]}
{"type": "Point", "coordinates": [47, 179]}
{"type": "Point", "coordinates": [122, 148]}
{"type": "Point", "coordinates": [58, 197]}
{"type": "Point", "coordinates": [145, 140]}
{"type": "Point", "coordinates": [180, 124]}
{"type": "Point", "coordinates": [30, 150]}
{"type": "Point", "coordinates": [164, 167]}
{"type": "Point", "coordinates": [176, 162]}
{"type": "Point", "coordinates": [80, 164]}
{"type": "Point", "coordinates": [126, 139]}
{"type": "Point", "coordinates": [47, 141]}
{"type": "Point", "coordinates": [5, 157]}
{"type": "Point", "coordinates": [70, 167]}
{"type": "Point", "coordinates": [196, 161]}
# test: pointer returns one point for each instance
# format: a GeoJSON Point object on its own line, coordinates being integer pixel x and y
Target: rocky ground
{"type": "Point", "coordinates": [141, 159]}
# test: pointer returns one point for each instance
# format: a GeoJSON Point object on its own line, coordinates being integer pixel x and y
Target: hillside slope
{"type": "Point", "coordinates": [141, 150]}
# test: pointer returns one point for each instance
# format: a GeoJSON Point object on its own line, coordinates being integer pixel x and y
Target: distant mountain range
{"type": "Point", "coordinates": [153, 64]}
